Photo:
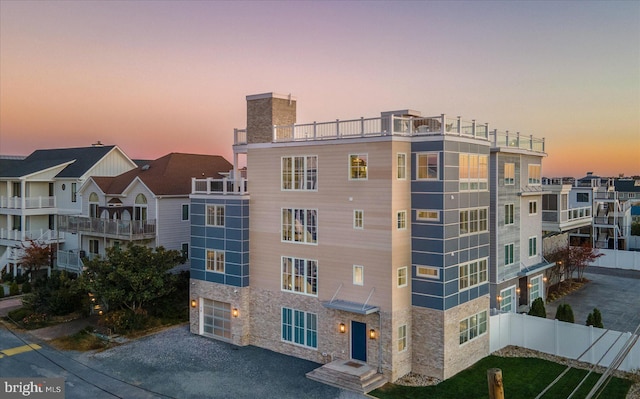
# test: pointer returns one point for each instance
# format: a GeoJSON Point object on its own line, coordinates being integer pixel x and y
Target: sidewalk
{"type": "Point", "coordinates": [9, 304]}
{"type": "Point", "coordinates": [63, 329]}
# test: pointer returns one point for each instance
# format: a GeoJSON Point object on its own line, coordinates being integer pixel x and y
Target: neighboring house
{"type": "Point", "coordinates": [367, 240]}
{"type": "Point", "coordinates": [34, 190]}
{"type": "Point", "coordinates": [568, 208]}
{"type": "Point", "coordinates": [516, 262]}
{"type": "Point", "coordinates": [147, 205]}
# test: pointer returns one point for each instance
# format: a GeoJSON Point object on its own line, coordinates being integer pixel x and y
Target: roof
{"type": "Point", "coordinates": [627, 185]}
{"type": "Point", "coordinates": [168, 175]}
{"type": "Point", "coordinates": [85, 158]}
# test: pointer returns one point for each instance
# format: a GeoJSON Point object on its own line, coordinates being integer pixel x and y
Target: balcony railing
{"type": "Point", "coordinates": [568, 215]}
{"type": "Point", "coordinates": [69, 260]}
{"type": "Point", "coordinates": [224, 186]}
{"type": "Point", "coordinates": [121, 229]}
{"type": "Point", "coordinates": [43, 235]}
{"type": "Point", "coordinates": [29, 202]}
{"type": "Point", "coordinates": [239, 136]}
{"type": "Point", "coordinates": [516, 140]}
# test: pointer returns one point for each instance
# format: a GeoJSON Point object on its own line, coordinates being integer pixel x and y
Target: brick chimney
{"type": "Point", "coordinates": [264, 111]}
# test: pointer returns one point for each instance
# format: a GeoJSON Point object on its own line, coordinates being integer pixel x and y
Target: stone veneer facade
{"type": "Point", "coordinates": [266, 110]}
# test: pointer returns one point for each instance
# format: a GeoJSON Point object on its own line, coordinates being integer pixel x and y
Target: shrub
{"type": "Point", "coordinates": [7, 277]}
{"type": "Point", "coordinates": [595, 319]}
{"type": "Point", "coordinates": [124, 321]}
{"type": "Point", "coordinates": [537, 308]}
{"type": "Point", "coordinates": [26, 287]}
{"type": "Point", "coordinates": [20, 313]}
{"type": "Point", "coordinates": [1, 291]}
{"type": "Point", "coordinates": [14, 289]}
{"type": "Point", "coordinates": [21, 278]}
{"type": "Point", "coordinates": [565, 313]}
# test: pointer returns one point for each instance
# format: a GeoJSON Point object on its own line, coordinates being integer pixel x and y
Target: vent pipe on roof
{"type": "Point", "coordinates": [97, 144]}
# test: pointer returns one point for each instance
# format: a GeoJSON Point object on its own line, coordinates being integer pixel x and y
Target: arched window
{"type": "Point", "coordinates": [140, 209]}
{"type": "Point", "coordinates": [93, 205]}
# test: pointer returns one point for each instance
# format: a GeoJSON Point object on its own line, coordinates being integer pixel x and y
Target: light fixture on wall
{"type": "Point", "coordinates": [530, 285]}
{"type": "Point", "coordinates": [372, 334]}
{"type": "Point", "coordinates": [518, 290]}
{"type": "Point", "coordinates": [544, 279]}
{"type": "Point", "coordinates": [234, 312]}
{"type": "Point", "coordinates": [342, 328]}
{"type": "Point", "coordinates": [194, 303]}
{"type": "Point", "coordinates": [499, 298]}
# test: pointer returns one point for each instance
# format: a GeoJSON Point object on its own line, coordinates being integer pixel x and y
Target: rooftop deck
{"type": "Point", "coordinates": [398, 126]}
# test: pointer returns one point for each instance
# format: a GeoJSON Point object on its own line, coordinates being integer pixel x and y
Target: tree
{"type": "Point", "coordinates": [565, 313]}
{"type": "Point", "coordinates": [129, 279]}
{"type": "Point", "coordinates": [35, 256]}
{"type": "Point", "coordinates": [580, 257]}
{"type": "Point", "coordinates": [595, 319]}
{"type": "Point", "coordinates": [570, 259]}
{"type": "Point", "coordinates": [537, 308]}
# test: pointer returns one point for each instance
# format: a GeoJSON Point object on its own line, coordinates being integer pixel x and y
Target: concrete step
{"type": "Point", "coordinates": [362, 378]}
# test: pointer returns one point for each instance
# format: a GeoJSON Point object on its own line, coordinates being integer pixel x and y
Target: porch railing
{"type": "Point", "coordinates": [123, 229]}
{"type": "Point", "coordinates": [224, 186]}
{"type": "Point", "coordinates": [29, 202]}
{"type": "Point", "coordinates": [41, 235]}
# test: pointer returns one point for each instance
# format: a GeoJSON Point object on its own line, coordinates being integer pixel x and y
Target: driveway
{"type": "Point", "coordinates": [616, 293]}
{"type": "Point", "coordinates": [170, 364]}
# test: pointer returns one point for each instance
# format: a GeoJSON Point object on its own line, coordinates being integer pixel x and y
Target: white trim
{"type": "Point", "coordinates": [361, 274]}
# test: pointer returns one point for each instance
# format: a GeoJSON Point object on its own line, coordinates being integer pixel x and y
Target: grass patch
{"type": "Point", "coordinates": [83, 340]}
{"type": "Point", "coordinates": [523, 378]}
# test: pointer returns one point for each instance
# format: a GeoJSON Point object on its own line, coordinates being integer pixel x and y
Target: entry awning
{"type": "Point", "coordinates": [537, 268]}
{"type": "Point", "coordinates": [353, 307]}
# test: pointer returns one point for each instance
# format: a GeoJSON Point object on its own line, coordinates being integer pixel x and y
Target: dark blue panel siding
{"type": "Point", "coordinates": [451, 302]}
{"type": "Point", "coordinates": [425, 287]}
{"type": "Point", "coordinates": [425, 301]}
{"type": "Point", "coordinates": [233, 238]}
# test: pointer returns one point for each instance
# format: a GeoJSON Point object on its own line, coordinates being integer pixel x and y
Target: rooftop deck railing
{"type": "Point", "coordinates": [224, 186]}
{"type": "Point", "coordinates": [398, 126]}
{"type": "Point", "coordinates": [123, 229]}
{"type": "Point", "coordinates": [567, 215]}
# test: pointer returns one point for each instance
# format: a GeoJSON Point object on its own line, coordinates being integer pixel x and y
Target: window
{"type": "Point", "coordinates": [185, 211]}
{"type": "Point", "coordinates": [508, 254]}
{"type": "Point", "coordinates": [535, 288]}
{"type": "Point", "coordinates": [473, 327]}
{"type": "Point", "coordinates": [533, 246]}
{"type": "Point", "coordinates": [428, 215]}
{"type": "Point", "coordinates": [402, 277]}
{"type": "Point", "coordinates": [216, 318]}
{"type": "Point", "coordinates": [473, 172]}
{"type": "Point", "coordinates": [140, 208]}
{"type": "Point", "coordinates": [428, 272]}
{"type": "Point", "coordinates": [508, 214]}
{"type": "Point", "coordinates": [300, 327]}
{"type": "Point", "coordinates": [215, 260]}
{"type": "Point", "coordinates": [582, 197]}
{"type": "Point", "coordinates": [534, 174]}
{"type": "Point", "coordinates": [358, 219]}
{"type": "Point", "coordinates": [215, 215]}
{"type": "Point", "coordinates": [93, 205]}
{"type": "Point", "coordinates": [632, 195]}
{"type": "Point", "coordinates": [427, 166]}
{"type": "Point", "coordinates": [472, 274]}
{"type": "Point", "coordinates": [402, 338]}
{"type": "Point", "coordinates": [358, 275]}
{"type": "Point", "coordinates": [402, 220]}
{"type": "Point", "coordinates": [402, 166]}
{"type": "Point", "coordinates": [94, 247]}
{"type": "Point", "coordinates": [300, 225]}
{"type": "Point", "coordinates": [300, 173]}
{"type": "Point", "coordinates": [74, 192]}
{"type": "Point", "coordinates": [509, 174]}
{"type": "Point", "coordinates": [300, 275]}
{"type": "Point", "coordinates": [473, 220]}
{"type": "Point", "coordinates": [16, 189]}
{"type": "Point", "coordinates": [533, 207]}
{"type": "Point", "coordinates": [507, 300]}
{"type": "Point", "coordinates": [358, 166]}
{"type": "Point", "coordinates": [184, 249]}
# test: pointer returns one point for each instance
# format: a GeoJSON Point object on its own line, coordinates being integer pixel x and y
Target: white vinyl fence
{"type": "Point", "coordinates": [629, 260]}
{"type": "Point", "coordinates": [562, 339]}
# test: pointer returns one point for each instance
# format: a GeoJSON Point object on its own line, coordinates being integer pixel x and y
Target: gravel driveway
{"type": "Point", "coordinates": [183, 365]}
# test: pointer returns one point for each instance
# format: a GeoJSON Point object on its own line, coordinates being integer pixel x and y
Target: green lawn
{"type": "Point", "coordinates": [523, 378]}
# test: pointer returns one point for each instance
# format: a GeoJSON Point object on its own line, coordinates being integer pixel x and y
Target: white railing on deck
{"type": "Point", "coordinates": [224, 186]}
{"type": "Point", "coordinates": [239, 136]}
{"type": "Point", "coordinates": [29, 202]}
{"type": "Point", "coordinates": [69, 260]}
{"type": "Point", "coordinates": [42, 235]}
{"type": "Point", "coordinates": [125, 229]}
{"type": "Point", "coordinates": [567, 215]}
{"type": "Point", "coordinates": [516, 140]}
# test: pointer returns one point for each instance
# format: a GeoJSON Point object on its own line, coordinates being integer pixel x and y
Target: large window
{"type": "Point", "coordinates": [140, 208]}
{"type": "Point", "coordinates": [358, 219]}
{"type": "Point", "coordinates": [185, 211]}
{"type": "Point", "coordinates": [427, 166]}
{"type": "Point", "coordinates": [215, 260]}
{"type": "Point", "coordinates": [94, 247]}
{"type": "Point", "coordinates": [300, 173]}
{"type": "Point", "coordinates": [358, 166]}
{"type": "Point", "coordinates": [216, 318]}
{"type": "Point", "coordinates": [473, 221]}
{"type": "Point", "coordinates": [533, 246]}
{"type": "Point", "coordinates": [508, 214]}
{"type": "Point", "coordinates": [402, 220]}
{"type": "Point", "coordinates": [300, 275]}
{"type": "Point", "coordinates": [402, 166]}
{"type": "Point", "coordinates": [472, 274]}
{"type": "Point", "coordinates": [402, 338]}
{"type": "Point", "coordinates": [508, 254]}
{"type": "Point", "coordinates": [300, 225]}
{"type": "Point", "coordinates": [582, 197]}
{"type": "Point", "coordinates": [93, 205]}
{"type": "Point", "coordinates": [535, 172]}
{"type": "Point", "coordinates": [509, 174]}
{"type": "Point", "coordinates": [300, 327]}
{"type": "Point", "coordinates": [473, 172]}
{"type": "Point", "coordinates": [402, 277]}
{"type": "Point", "coordinates": [215, 215]}
{"type": "Point", "coordinates": [473, 327]}
{"type": "Point", "coordinates": [507, 299]}
{"type": "Point", "coordinates": [535, 288]}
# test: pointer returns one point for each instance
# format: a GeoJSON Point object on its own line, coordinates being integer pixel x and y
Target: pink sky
{"type": "Point", "coordinates": [160, 77]}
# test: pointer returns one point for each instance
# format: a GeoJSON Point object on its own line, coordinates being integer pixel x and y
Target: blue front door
{"type": "Point", "coordinates": [358, 341]}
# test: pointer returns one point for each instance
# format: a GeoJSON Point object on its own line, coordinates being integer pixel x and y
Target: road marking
{"type": "Point", "coordinates": [19, 349]}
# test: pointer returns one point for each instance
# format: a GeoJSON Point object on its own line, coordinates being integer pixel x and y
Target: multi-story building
{"type": "Point", "coordinates": [34, 190]}
{"type": "Point", "coordinates": [366, 241]}
{"type": "Point", "coordinates": [568, 208]}
{"type": "Point", "coordinates": [148, 205]}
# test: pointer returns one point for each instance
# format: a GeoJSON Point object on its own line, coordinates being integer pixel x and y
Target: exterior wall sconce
{"type": "Point", "coordinates": [194, 303]}
{"type": "Point", "coordinates": [518, 290]}
{"type": "Point", "coordinates": [372, 334]}
{"type": "Point", "coordinates": [499, 298]}
{"type": "Point", "coordinates": [342, 328]}
{"type": "Point", "coordinates": [234, 312]}
{"type": "Point", "coordinates": [544, 279]}
{"type": "Point", "coordinates": [530, 285]}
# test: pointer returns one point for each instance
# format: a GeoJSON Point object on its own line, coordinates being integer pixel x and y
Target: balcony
{"type": "Point", "coordinates": [224, 186]}
{"type": "Point", "coordinates": [46, 236]}
{"type": "Point", "coordinates": [29, 202]}
{"type": "Point", "coordinates": [554, 220]}
{"type": "Point", "coordinates": [117, 229]}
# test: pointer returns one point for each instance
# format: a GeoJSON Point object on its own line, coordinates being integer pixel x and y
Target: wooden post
{"type": "Point", "coordinates": [496, 389]}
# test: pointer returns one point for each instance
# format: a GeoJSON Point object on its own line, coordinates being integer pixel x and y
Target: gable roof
{"type": "Point", "coordinates": [168, 175]}
{"type": "Point", "coordinates": [84, 157]}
